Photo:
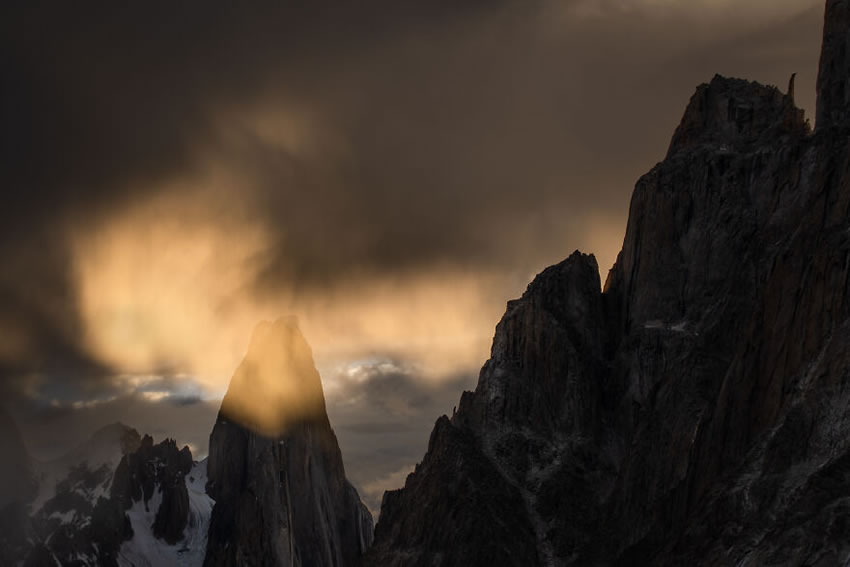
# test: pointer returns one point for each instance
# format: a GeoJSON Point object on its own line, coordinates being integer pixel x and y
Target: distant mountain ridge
{"type": "Point", "coordinates": [117, 499]}
{"type": "Point", "coordinates": [121, 500]}
{"type": "Point", "coordinates": [694, 412]}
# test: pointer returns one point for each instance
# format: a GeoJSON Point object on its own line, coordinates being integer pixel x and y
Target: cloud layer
{"type": "Point", "coordinates": [391, 172]}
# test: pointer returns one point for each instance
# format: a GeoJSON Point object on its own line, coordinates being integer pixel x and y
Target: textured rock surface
{"type": "Point", "coordinates": [70, 518]}
{"type": "Point", "coordinates": [161, 468]}
{"type": "Point", "coordinates": [278, 480]}
{"type": "Point", "coordinates": [834, 77]}
{"type": "Point", "coordinates": [696, 411]}
{"type": "Point", "coordinates": [82, 508]}
{"type": "Point", "coordinates": [737, 114]}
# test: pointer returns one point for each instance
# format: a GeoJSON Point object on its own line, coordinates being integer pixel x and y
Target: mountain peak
{"type": "Point", "coordinates": [276, 474]}
{"type": "Point", "coordinates": [695, 412]}
{"type": "Point", "coordinates": [833, 106]}
{"type": "Point", "coordinates": [736, 113]}
{"type": "Point", "coordinates": [277, 384]}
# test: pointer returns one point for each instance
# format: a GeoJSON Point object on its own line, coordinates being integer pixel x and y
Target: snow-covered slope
{"type": "Point", "coordinates": [118, 499]}
{"type": "Point", "coordinates": [145, 549]}
{"type": "Point", "coordinates": [102, 452]}
{"type": "Point", "coordinates": [72, 516]}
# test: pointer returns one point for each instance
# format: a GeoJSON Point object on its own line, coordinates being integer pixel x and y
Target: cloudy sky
{"type": "Point", "coordinates": [390, 172]}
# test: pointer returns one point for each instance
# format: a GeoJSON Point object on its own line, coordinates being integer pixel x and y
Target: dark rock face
{"type": "Point", "coordinates": [695, 412]}
{"type": "Point", "coordinates": [82, 512]}
{"type": "Point", "coordinates": [275, 468]}
{"type": "Point", "coordinates": [490, 487]}
{"type": "Point", "coordinates": [474, 522]}
{"type": "Point", "coordinates": [160, 467]}
{"type": "Point", "coordinates": [834, 76]}
{"type": "Point", "coordinates": [71, 519]}
{"type": "Point", "coordinates": [737, 114]}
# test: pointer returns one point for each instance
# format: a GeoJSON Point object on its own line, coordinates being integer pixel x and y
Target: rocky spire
{"type": "Point", "coordinates": [734, 113]}
{"type": "Point", "coordinates": [277, 384]}
{"type": "Point", "coordinates": [833, 106]}
{"type": "Point", "coordinates": [275, 468]}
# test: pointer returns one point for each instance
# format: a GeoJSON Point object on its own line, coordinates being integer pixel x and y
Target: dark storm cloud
{"type": "Point", "coordinates": [102, 104]}
{"type": "Point", "coordinates": [426, 134]}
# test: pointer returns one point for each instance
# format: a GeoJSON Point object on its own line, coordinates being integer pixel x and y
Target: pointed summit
{"type": "Point", "coordinates": [275, 468]}
{"type": "Point", "coordinates": [734, 113]}
{"type": "Point", "coordinates": [833, 106]}
{"type": "Point", "coordinates": [277, 384]}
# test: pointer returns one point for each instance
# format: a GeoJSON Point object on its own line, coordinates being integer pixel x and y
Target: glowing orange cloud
{"type": "Point", "coordinates": [166, 285]}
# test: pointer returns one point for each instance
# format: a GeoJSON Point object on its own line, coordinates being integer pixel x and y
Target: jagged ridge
{"type": "Point", "coordinates": [695, 411]}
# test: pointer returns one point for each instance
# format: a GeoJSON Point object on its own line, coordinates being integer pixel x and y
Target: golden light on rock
{"type": "Point", "coordinates": [277, 384]}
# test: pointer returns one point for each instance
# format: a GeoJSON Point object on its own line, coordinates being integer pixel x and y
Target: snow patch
{"type": "Point", "coordinates": [64, 518]}
{"type": "Point", "coordinates": [145, 550]}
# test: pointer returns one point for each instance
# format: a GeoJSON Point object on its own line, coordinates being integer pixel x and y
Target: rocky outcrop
{"type": "Point", "coordinates": [162, 468]}
{"type": "Point", "coordinates": [694, 412]}
{"type": "Point", "coordinates": [73, 519]}
{"type": "Point", "coordinates": [736, 114]}
{"type": "Point", "coordinates": [275, 468]}
{"type": "Point", "coordinates": [490, 485]}
{"type": "Point", "coordinates": [117, 499]}
{"type": "Point", "coordinates": [834, 76]}
{"type": "Point", "coordinates": [159, 491]}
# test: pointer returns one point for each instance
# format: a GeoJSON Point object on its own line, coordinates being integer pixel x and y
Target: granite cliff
{"type": "Point", "coordinates": [275, 468]}
{"type": "Point", "coordinates": [695, 410]}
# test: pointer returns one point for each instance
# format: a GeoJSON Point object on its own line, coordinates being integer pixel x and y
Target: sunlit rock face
{"type": "Point", "coordinates": [275, 468]}
{"type": "Point", "coordinates": [277, 385]}
{"type": "Point", "coordinates": [695, 412]}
